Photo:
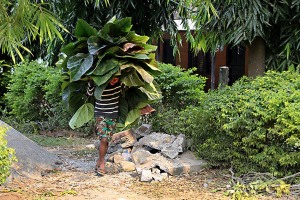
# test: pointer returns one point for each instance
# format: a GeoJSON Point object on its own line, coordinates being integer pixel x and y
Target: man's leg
{"type": "Point", "coordinates": [105, 129]}
{"type": "Point", "coordinates": [102, 152]}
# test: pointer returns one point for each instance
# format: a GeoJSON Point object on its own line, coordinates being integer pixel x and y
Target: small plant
{"type": "Point", "coordinates": [7, 156]}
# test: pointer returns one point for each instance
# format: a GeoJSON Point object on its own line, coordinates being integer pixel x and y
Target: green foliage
{"type": "Point", "coordinates": [6, 156]}
{"type": "Point", "coordinates": [99, 56]}
{"type": "Point", "coordinates": [240, 22]}
{"type": "Point", "coordinates": [249, 191]}
{"type": "Point", "coordinates": [22, 20]}
{"type": "Point", "coordinates": [253, 125]}
{"type": "Point", "coordinates": [34, 97]}
{"type": "Point", "coordinates": [180, 88]}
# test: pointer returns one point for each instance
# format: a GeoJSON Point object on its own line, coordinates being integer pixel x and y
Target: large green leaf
{"type": "Point", "coordinates": [134, 114]}
{"type": "Point", "coordinates": [100, 80]}
{"type": "Point", "coordinates": [73, 48]}
{"type": "Point", "coordinates": [105, 66]}
{"type": "Point", "coordinates": [133, 96]}
{"type": "Point", "coordinates": [136, 56]}
{"type": "Point", "coordinates": [84, 114]}
{"type": "Point", "coordinates": [74, 95]}
{"type": "Point", "coordinates": [151, 91]}
{"type": "Point", "coordinates": [148, 48]}
{"type": "Point", "coordinates": [144, 74]}
{"type": "Point", "coordinates": [83, 29]}
{"type": "Point", "coordinates": [135, 38]}
{"type": "Point", "coordinates": [95, 44]}
{"type": "Point", "coordinates": [123, 109]}
{"type": "Point", "coordinates": [79, 65]}
{"type": "Point", "coordinates": [131, 79]}
{"type": "Point", "coordinates": [117, 27]}
{"type": "Point", "coordinates": [150, 68]}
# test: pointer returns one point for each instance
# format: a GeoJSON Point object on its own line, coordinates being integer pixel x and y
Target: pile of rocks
{"type": "Point", "coordinates": [154, 156]}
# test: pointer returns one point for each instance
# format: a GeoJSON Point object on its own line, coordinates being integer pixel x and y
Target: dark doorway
{"type": "Point", "coordinates": [168, 56]}
{"type": "Point", "coordinates": [201, 61]}
{"type": "Point", "coordinates": [235, 62]}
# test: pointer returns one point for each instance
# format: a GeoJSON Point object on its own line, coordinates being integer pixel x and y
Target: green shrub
{"type": "Point", "coordinates": [34, 96]}
{"type": "Point", "coordinates": [180, 88]}
{"type": "Point", "coordinates": [253, 125]}
{"type": "Point", "coordinates": [6, 156]}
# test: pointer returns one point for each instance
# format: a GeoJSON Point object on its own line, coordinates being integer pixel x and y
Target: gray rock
{"type": "Point", "coordinates": [185, 163]}
{"type": "Point", "coordinates": [146, 175]}
{"type": "Point", "coordinates": [156, 141]}
{"type": "Point", "coordinates": [180, 143]}
{"type": "Point", "coordinates": [170, 152]}
{"type": "Point", "coordinates": [145, 160]}
{"type": "Point", "coordinates": [127, 166]}
{"type": "Point", "coordinates": [157, 177]}
{"type": "Point", "coordinates": [143, 130]}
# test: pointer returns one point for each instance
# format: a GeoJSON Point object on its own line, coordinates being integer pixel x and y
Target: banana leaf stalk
{"type": "Point", "coordinates": [98, 56]}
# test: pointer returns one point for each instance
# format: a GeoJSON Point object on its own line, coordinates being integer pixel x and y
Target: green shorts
{"type": "Point", "coordinates": [105, 127]}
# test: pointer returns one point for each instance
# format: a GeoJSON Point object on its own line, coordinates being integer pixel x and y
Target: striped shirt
{"type": "Point", "coordinates": [108, 105]}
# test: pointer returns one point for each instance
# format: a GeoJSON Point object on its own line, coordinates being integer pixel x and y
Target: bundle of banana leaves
{"type": "Point", "coordinates": [99, 56]}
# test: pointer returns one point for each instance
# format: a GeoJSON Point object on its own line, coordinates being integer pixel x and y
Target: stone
{"type": "Point", "coordinates": [185, 163]}
{"type": "Point", "coordinates": [156, 140]}
{"type": "Point", "coordinates": [164, 175]}
{"type": "Point", "coordinates": [143, 130]}
{"type": "Point", "coordinates": [126, 155]}
{"type": "Point", "coordinates": [125, 138]}
{"type": "Point", "coordinates": [155, 170]}
{"type": "Point", "coordinates": [118, 158]}
{"type": "Point", "coordinates": [177, 147]}
{"type": "Point", "coordinates": [112, 148]}
{"type": "Point", "coordinates": [145, 160]}
{"type": "Point", "coordinates": [157, 177]}
{"type": "Point", "coordinates": [127, 166]}
{"type": "Point", "coordinates": [190, 163]}
{"type": "Point", "coordinates": [146, 175]}
{"type": "Point", "coordinates": [170, 152]}
{"type": "Point", "coordinates": [180, 143]}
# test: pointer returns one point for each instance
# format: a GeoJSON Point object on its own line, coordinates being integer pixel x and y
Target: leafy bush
{"type": "Point", "coordinates": [180, 88]}
{"type": "Point", "coordinates": [34, 95]}
{"type": "Point", "coordinates": [253, 125]}
{"type": "Point", "coordinates": [6, 156]}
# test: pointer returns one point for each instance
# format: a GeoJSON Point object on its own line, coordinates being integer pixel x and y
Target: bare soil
{"type": "Point", "coordinates": [76, 180]}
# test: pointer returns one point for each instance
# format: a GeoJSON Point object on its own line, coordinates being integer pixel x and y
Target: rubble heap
{"type": "Point", "coordinates": [154, 156]}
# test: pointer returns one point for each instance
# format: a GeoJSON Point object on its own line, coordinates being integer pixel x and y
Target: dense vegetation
{"type": "Point", "coordinates": [34, 97]}
{"type": "Point", "coordinates": [250, 126]}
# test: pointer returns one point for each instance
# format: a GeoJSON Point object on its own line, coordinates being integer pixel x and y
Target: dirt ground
{"type": "Point", "coordinates": [76, 180]}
